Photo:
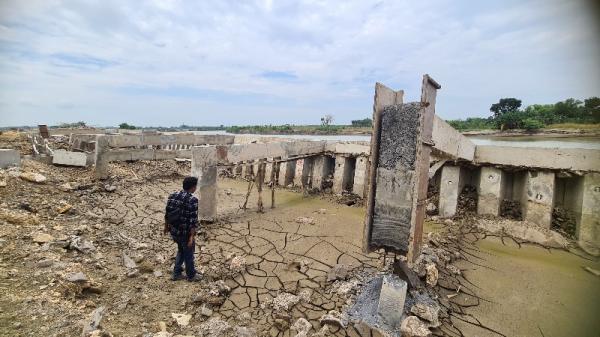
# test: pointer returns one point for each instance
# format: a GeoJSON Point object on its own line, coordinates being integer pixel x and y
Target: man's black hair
{"type": "Point", "coordinates": [189, 182]}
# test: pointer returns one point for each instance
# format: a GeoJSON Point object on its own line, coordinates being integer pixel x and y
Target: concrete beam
{"type": "Point", "coordinates": [544, 158]}
{"type": "Point", "coordinates": [245, 152]}
{"type": "Point", "coordinates": [62, 157]}
{"type": "Point", "coordinates": [451, 143]}
{"type": "Point", "coordinates": [118, 141]}
{"type": "Point", "coordinates": [490, 191]}
{"type": "Point", "coordinates": [537, 198]}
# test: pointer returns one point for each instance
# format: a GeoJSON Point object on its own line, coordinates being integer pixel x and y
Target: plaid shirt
{"type": "Point", "coordinates": [188, 203]}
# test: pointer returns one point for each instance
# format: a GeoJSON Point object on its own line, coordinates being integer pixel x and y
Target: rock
{"type": "Point", "coordinates": [42, 238]}
{"type": "Point", "coordinates": [214, 327]}
{"type": "Point", "coordinates": [453, 269]}
{"type": "Point", "coordinates": [391, 297]}
{"type": "Point", "coordinates": [64, 209]}
{"type": "Point", "coordinates": [110, 188]}
{"type": "Point", "coordinates": [237, 264]}
{"type": "Point", "coordinates": [413, 327]}
{"type": "Point", "coordinates": [305, 220]}
{"type": "Point", "coordinates": [44, 263]}
{"type": "Point", "coordinates": [323, 332]}
{"type": "Point", "coordinates": [431, 208]}
{"type": "Point", "coordinates": [66, 187]}
{"type": "Point", "coordinates": [81, 245]}
{"type": "Point", "coordinates": [428, 310]}
{"type": "Point", "coordinates": [335, 319]}
{"type": "Point", "coordinates": [93, 322]}
{"type": "Point", "coordinates": [322, 211]}
{"type": "Point", "coordinates": [33, 177]}
{"type": "Point", "coordinates": [285, 301]}
{"type": "Point", "coordinates": [182, 320]}
{"type": "Point", "coordinates": [432, 274]}
{"type": "Point", "coordinates": [302, 327]}
{"type": "Point", "coordinates": [337, 272]}
{"type": "Point", "coordinates": [205, 311]}
{"type": "Point", "coordinates": [128, 262]}
{"type": "Point", "coordinates": [157, 273]}
{"type": "Point", "coordinates": [76, 277]}
{"type": "Point", "coordinates": [448, 222]}
{"type": "Point", "coordinates": [242, 331]}
{"type": "Point", "coordinates": [2, 183]}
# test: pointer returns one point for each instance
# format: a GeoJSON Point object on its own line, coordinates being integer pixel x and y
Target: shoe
{"type": "Point", "coordinates": [195, 278]}
{"type": "Point", "coordinates": [177, 277]}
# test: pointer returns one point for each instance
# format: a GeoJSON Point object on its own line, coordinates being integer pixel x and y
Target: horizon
{"type": "Point", "coordinates": [217, 63]}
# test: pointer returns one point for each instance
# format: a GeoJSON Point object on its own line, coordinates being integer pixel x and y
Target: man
{"type": "Point", "coordinates": [181, 221]}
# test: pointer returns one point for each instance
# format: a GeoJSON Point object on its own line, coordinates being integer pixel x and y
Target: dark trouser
{"type": "Point", "coordinates": [185, 255]}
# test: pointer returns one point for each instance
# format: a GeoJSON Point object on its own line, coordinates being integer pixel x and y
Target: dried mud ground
{"type": "Point", "coordinates": [528, 290]}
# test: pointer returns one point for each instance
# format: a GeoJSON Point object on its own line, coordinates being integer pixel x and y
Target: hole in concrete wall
{"type": "Point", "coordinates": [512, 191]}
{"type": "Point", "coordinates": [348, 180]}
{"type": "Point", "coordinates": [567, 204]}
{"type": "Point", "coordinates": [433, 193]}
{"type": "Point", "coordinates": [467, 198]}
{"type": "Point", "coordinates": [329, 169]}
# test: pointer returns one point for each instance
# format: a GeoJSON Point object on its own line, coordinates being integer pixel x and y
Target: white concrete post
{"type": "Point", "coordinates": [298, 172]}
{"type": "Point", "coordinates": [101, 160]}
{"type": "Point", "coordinates": [338, 174]}
{"type": "Point", "coordinates": [490, 191]}
{"type": "Point", "coordinates": [286, 172]}
{"type": "Point", "coordinates": [360, 175]}
{"type": "Point", "coordinates": [449, 190]}
{"type": "Point", "coordinates": [588, 221]}
{"type": "Point", "coordinates": [537, 198]}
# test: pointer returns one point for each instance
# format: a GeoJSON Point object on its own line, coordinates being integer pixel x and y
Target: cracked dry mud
{"type": "Point", "coordinates": [281, 257]}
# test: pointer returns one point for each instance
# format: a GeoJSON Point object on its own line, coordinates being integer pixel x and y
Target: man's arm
{"type": "Point", "coordinates": [194, 217]}
{"type": "Point", "coordinates": [167, 227]}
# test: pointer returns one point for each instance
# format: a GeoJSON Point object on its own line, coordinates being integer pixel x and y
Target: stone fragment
{"type": "Point", "coordinates": [33, 177]}
{"type": "Point", "coordinates": [242, 331]}
{"type": "Point", "coordinates": [110, 188]}
{"type": "Point", "coordinates": [285, 301]}
{"type": "Point", "coordinates": [76, 277]}
{"type": "Point", "coordinates": [391, 300]}
{"type": "Point", "coordinates": [427, 310]}
{"type": "Point", "coordinates": [305, 220]}
{"type": "Point", "coordinates": [44, 263]}
{"type": "Point", "coordinates": [93, 322]}
{"type": "Point", "coordinates": [214, 327]}
{"type": "Point", "coordinates": [302, 327]}
{"type": "Point", "coordinates": [334, 318]}
{"type": "Point", "coordinates": [81, 245]}
{"type": "Point", "coordinates": [206, 311]}
{"type": "Point", "coordinates": [64, 209]}
{"type": "Point", "coordinates": [453, 269]}
{"type": "Point", "coordinates": [66, 187]}
{"type": "Point", "coordinates": [182, 320]}
{"type": "Point", "coordinates": [128, 262]}
{"type": "Point", "coordinates": [337, 272]}
{"type": "Point", "coordinates": [42, 238]}
{"type": "Point", "coordinates": [431, 208]}
{"type": "Point", "coordinates": [69, 158]}
{"type": "Point", "coordinates": [237, 264]}
{"type": "Point", "coordinates": [432, 274]}
{"type": "Point", "coordinates": [413, 327]}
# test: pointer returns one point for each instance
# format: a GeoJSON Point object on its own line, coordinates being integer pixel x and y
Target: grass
{"type": "Point", "coordinates": [573, 126]}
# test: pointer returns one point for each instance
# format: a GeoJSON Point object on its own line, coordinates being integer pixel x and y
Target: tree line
{"type": "Point", "coordinates": [508, 114]}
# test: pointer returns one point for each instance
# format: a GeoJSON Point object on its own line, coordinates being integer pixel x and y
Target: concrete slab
{"type": "Point", "coordinates": [9, 157]}
{"type": "Point", "coordinates": [62, 157]}
{"type": "Point", "coordinates": [391, 300]}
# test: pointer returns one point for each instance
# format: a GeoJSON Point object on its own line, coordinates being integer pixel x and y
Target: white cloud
{"type": "Point", "coordinates": [205, 62]}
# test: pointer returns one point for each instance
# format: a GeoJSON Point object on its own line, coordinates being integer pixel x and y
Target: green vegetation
{"type": "Point", "coordinates": [127, 126]}
{"type": "Point", "coordinates": [75, 125]}
{"type": "Point", "coordinates": [367, 122]}
{"type": "Point", "coordinates": [293, 129]}
{"type": "Point", "coordinates": [507, 114]}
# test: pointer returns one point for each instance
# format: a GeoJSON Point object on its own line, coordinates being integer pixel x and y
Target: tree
{"type": "Point", "coordinates": [591, 108]}
{"type": "Point", "coordinates": [362, 122]}
{"type": "Point", "coordinates": [326, 120]}
{"type": "Point", "coordinates": [505, 105]}
{"type": "Point", "coordinates": [127, 126]}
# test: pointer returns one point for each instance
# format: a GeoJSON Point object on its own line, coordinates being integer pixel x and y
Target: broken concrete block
{"type": "Point", "coordinates": [62, 157]}
{"type": "Point", "coordinates": [33, 177]}
{"type": "Point", "coordinates": [93, 322]}
{"type": "Point", "coordinates": [9, 157]}
{"type": "Point", "coordinates": [337, 272]}
{"type": "Point", "coordinates": [391, 300]}
{"type": "Point", "coordinates": [413, 327]}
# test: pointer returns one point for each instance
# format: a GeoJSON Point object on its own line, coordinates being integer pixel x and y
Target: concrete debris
{"type": "Point", "coordinates": [412, 326]}
{"type": "Point", "coordinates": [64, 208]}
{"type": "Point", "coordinates": [426, 309]}
{"type": "Point", "coordinates": [182, 320]}
{"type": "Point", "coordinates": [305, 220]}
{"type": "Point", "coordinates": [214, 327]}
{"type": "Point", "coordinates": [335, 319]}
{"type": "Point", "coordinates": [81, 245]}
{"type": "Point", "coordinates": [302, 327]}
{"type": "Point", "coordinates": [42, 238]}
{"type": "Point", "coordinates": [33, 177]}
{"type": "Point", "coordinates": [432, 274]}
{"type": "Point", "coordinates": [431, 208]}
{"type": "Point", "coordinates": [128, 262]}
{"type": "Point", "coordinates": [391, 297]}
{"type": "Point", "coordinates": [237, 264]}
{"type": "Point", "coordinates": [76, 277]}
{"type": "Point", "coordinates": [93, 322]}
{"type": "Point", "coordinates": [453, 269]}
{"type": "Point", "coordinates": [524, 231]}
{"type": "Point", "coordinates": [110, 188]}
{"type": "Point", "coordinates": [285, 301]}
{"type": "Point", "coordinates": [206, 311]}
{"type": "Point", "coordinates": [344, 288]}
{"type": "Point", "coordinates": [323, 332]}
{"type": "Point", "coordinates": [242, 331]}
{"type": "Point", "coordinates": [337, 272]}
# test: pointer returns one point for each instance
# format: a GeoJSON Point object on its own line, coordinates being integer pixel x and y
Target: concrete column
{"type": "Point", "coordinates": [207, 184]}
{"type": "Point", "coordinates": [449, 190]}
{"type": "Point", "coordinates": [101, 169]}
{"type": "Point", "coordinates": [307, 172]}
{"type": "Point", "coordinates": [360, 175]}
{"type": "Point", "coordinates": [490, 191]}
{"type": "Point", "coordinates": [298, 176]}
{"type": "Point", "coordinates": [338, 174]}
{"type": "Point", "coordinates": [269, 170]}
{"type": "Point", "coordinates": [244, 170]}
{"type": "Point", "coordinates": [286, 172]}
{"type": "Point", "coordinates": [588, 220]}
{"type": "Point", "coordinates": [320, 171]}
{"type": "Point", "coordinates": [238, 169]}
{"type": "Point", "coordinates": [537, 198]}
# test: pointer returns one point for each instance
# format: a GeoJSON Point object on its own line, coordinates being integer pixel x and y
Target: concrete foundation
{"type": "Point", "coordinates": [62, 157]}
{"type": "Point", "coordinates": [588, 221]}
{"type": "Point", "coordinates": [360, 176]}
{"type": "Point", "coordinates": [9, 157]}
{"type": "Point", "coordinates": [450, 188]}
{"type": "Point", "coordinates": [537, 198]}
{"type": "Point", "coordinates": [490, 191]}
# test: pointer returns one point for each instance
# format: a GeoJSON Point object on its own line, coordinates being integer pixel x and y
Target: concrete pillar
{"type": "Point", "coordinates": [537, 198]}
{"type": "Point", "coordinates": [238, 169]}
{"type": "Point", "coordinates": [360, 175]}
{"type": "Point", "coordinates": [338, 174]}
{"type": "Point", "coordinates": [286, 172]}
{"type": "Point", "coordinates": [588, 220]}
{"type": "Point", "coordinates": [490, 191]}
{"type": "Point", "coordinates": [307, 172]}
{"type": "Point", "coordinates": [450, 186]}
{"type": "Point", "coordinates": [207, 184]}
{"type": "Point", "coordinates": [298, 173]}
{"type": "Point", "coordinates": [101, 169]}
{"type": "Point", "coordinates": [321, 169]}
{"type": "Point", "coordinates": [269, 170]}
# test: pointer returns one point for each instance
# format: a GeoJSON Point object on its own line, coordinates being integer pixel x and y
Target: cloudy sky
{"type": "Point", "coordinates": [170, 62]}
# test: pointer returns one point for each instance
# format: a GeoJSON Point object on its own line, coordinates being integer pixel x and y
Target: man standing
{"type": "Point", "coordinates": [181, 221]}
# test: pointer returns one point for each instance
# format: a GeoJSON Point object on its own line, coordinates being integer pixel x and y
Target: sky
{"type": "Point", "coordinates": [173, 62]}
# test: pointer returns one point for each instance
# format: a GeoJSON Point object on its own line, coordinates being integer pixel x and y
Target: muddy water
{"type": "Point", "coordinates": [534, 291]}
